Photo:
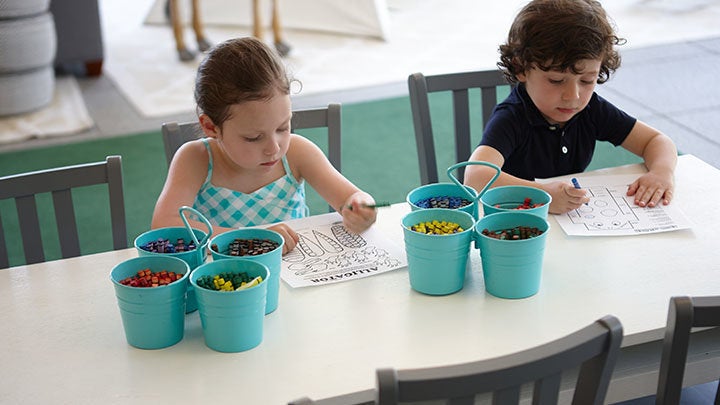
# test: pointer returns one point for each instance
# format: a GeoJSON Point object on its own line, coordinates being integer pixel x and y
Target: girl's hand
{"type": "Point", "coordinates": [565, 197]}
{"type": "Point", "coordinates": [357, 216]}
{"type": "Point", "coordinates": [651, 188]}
{"type": "Point", "coordinates": [288, 234]}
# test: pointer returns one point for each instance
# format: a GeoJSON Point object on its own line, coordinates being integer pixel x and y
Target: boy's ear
{"type": "Point", "coordinates": [208, 127]}
{"type": "Point", "coordinates": [521, 77]}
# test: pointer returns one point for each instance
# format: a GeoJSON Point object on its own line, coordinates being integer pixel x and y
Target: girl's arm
{"type": "Point", "coordinates": [310, 163]}
{"type": "Point", "coordinates": [660, 156]}
{"type": "Point", "coordinates": [565, 197]}
{"type": "Point", "coordinates": [186, 175]}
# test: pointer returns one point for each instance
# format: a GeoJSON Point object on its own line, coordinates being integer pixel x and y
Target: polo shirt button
{"type": "Point", "coordinates": [564, 149]}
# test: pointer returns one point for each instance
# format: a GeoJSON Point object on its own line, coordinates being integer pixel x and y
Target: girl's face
{"type": "Point", "coordinates": [257, 133]}
{"type": "Point", "coordinates": [560, 95]}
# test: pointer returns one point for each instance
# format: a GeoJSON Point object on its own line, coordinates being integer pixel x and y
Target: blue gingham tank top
{"type": "Point", "coordinates": [278, 201]}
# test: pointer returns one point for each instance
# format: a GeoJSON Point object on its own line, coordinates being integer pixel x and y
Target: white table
{"type": "Point", "coordinates": [62, 341]}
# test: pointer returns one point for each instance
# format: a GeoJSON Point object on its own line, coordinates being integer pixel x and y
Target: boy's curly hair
{"type": "Point", "coordinates": [556, 35]}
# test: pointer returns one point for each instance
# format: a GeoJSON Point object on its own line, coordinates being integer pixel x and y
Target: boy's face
{"type": "Point", "coordinates": [560, 95]}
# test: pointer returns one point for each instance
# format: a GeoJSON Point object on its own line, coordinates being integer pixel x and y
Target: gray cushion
{"type": "Point", "coordinates": [21, 8]}
{"type": "Point", "coordinates": [26, 91]}
{"type": "Point", "coordinates": [27, 43]}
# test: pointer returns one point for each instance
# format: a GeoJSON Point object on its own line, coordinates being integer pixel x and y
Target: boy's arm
{"type": "Point", "coordinates": [660, 156]}
{"type": "Point", "coordinates": [565, 197]}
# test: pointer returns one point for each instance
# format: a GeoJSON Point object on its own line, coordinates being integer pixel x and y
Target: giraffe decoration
{"type": "Point", "coordinates": [280, 45]}
{"type": "Point", "coordinates": [203, 44]}
{"type": "Point", "coordinates": [172, 11]}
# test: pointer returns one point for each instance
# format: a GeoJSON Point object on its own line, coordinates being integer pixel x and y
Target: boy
{"type": "Point", "coordinates": [556, 52]}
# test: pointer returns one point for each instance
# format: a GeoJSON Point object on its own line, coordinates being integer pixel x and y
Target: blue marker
{"type": "Point", "coordinates": [576, 184]}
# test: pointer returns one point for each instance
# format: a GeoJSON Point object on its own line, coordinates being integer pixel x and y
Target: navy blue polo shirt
{"type": "Point", "coordinates": [533, 148]}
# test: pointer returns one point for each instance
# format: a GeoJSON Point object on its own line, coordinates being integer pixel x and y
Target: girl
{"type": "Point", "coordinates": [249, 169]}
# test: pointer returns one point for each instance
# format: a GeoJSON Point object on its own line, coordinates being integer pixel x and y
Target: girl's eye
{"type": "Point", "coordinates": [284, 129]}
{"type": "Point", "coordinates": [255, 139]}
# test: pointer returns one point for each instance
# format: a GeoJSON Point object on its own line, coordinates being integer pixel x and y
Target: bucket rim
{"type": "Point", "coordinates": [185, 265]}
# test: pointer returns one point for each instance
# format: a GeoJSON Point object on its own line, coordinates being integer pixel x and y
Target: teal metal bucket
{"type": "Point", "coordinates": [193, 258]}
{"type": "Point", "coordinates": [508, 198]}
{"type": "Point", "coordinates": [153, 317]}
{"type": "Point", "coordinates": [443, 190]}
{"type": "Point", "coordinates": [437, 263]}
{"type": "Point", "coordinates": [232, 321]}
{"type": "Point", "coordinates": [272, 259]}
{"type": "Point", "coordinates": [511, 268]}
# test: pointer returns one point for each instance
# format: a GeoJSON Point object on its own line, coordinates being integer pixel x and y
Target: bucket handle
{"type": "Point", "coordinates": [190, 229]}
{"type": "Point", "coordinates": [456, 166]}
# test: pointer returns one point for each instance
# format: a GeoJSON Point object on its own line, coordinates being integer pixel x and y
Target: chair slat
{"type": "Point", "coordinates": [66, 225]}
{"type": "Point", "coordinates": [30, 229]}
{"type": "Point", "coordinates": [461, 108]}
{"type": "Point", "coordinates": [4, 259]}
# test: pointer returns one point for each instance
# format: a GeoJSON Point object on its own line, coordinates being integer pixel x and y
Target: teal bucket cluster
{"type": "Point", "coordinates": [443, 190]}
{"type": "Point", "coordinates": [232, 321]}
{"type": "Point", "coordinates": [193, 258]}
{"type": "Point", "coordinates": [153, 317]}
{"type": "Point", "coordinates": [272, 259]}
{"type": "Point", "coordinates": [437, 263]}
{"type": "Point", "coordinates": [511, 268]}
{"type": "Point", "coordinates": [508, 198]}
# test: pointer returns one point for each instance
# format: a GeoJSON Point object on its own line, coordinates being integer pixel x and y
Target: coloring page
{"type": "Point", "coordinates": [327, 253]}
{"type": "Point", "coordinates": [611, 212]}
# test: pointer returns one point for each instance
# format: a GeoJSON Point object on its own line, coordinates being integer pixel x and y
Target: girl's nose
{"type": "Point", "coordinates": [272, 147]}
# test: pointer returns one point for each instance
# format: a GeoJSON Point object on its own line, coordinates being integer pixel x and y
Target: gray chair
{"type": "Point", "coordinates": [593, 350]}
{"type": "Point", "coordinates": [459, 84]}
{"type": "Point", "coordinates": [60, 182]}
{"type": "Point", "coordinates": [684, 313]}
{"type": "Point", "coordinates": [175, 134]}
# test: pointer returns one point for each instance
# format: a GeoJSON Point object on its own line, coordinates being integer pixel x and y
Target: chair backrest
{"type": "Point", "coordinates": [420, 86]}
{"type": "Point", "coordinates": [175, 134]}
{"type": "Point", "coordinates": [60, 182]}
{"type": "Point", "coordinates": [594, 349]}
{"type": "Point", "coordinates": [684, 313]}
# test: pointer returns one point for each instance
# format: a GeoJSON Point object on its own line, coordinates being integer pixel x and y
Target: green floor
{"type": "Point", "coordinates": [378, 155]}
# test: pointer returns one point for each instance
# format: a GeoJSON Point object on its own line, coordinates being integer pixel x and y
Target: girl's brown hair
{"type": "Point", "coordinates": [556, 35]}
{"type": "Point", "coordinates": [235, 71]}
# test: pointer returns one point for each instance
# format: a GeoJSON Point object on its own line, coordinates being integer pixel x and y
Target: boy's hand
{"type": "Point", "coordinates": [651, 188]}
{"type": "Point", "coordinates": [288, 234]}
{"type": "Point", "coordinates": [565, 197]}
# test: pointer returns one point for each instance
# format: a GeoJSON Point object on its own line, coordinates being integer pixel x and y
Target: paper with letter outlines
{"type": "Point", "coordinates": [327, 253]}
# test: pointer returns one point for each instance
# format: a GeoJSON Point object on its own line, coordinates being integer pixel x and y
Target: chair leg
{"type": "Point", "coordinates": [717, 394]}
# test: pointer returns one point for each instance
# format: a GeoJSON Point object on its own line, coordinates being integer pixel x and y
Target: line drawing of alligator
{"type": "Point", "coordinates": [317, 251]}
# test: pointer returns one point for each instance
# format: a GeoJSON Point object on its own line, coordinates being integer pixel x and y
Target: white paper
{"type": "Point", "coordinates": [327, 253]}
{"type": "Point", "coordinates": [611, 212]}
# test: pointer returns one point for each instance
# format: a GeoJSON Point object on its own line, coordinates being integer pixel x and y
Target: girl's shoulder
{"type": "Point", "coordinates": [304, 154]}
{"type": "Point", "coordinates": [192, 153]}
{"type": "Point", "coordinates": [301, 146]}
